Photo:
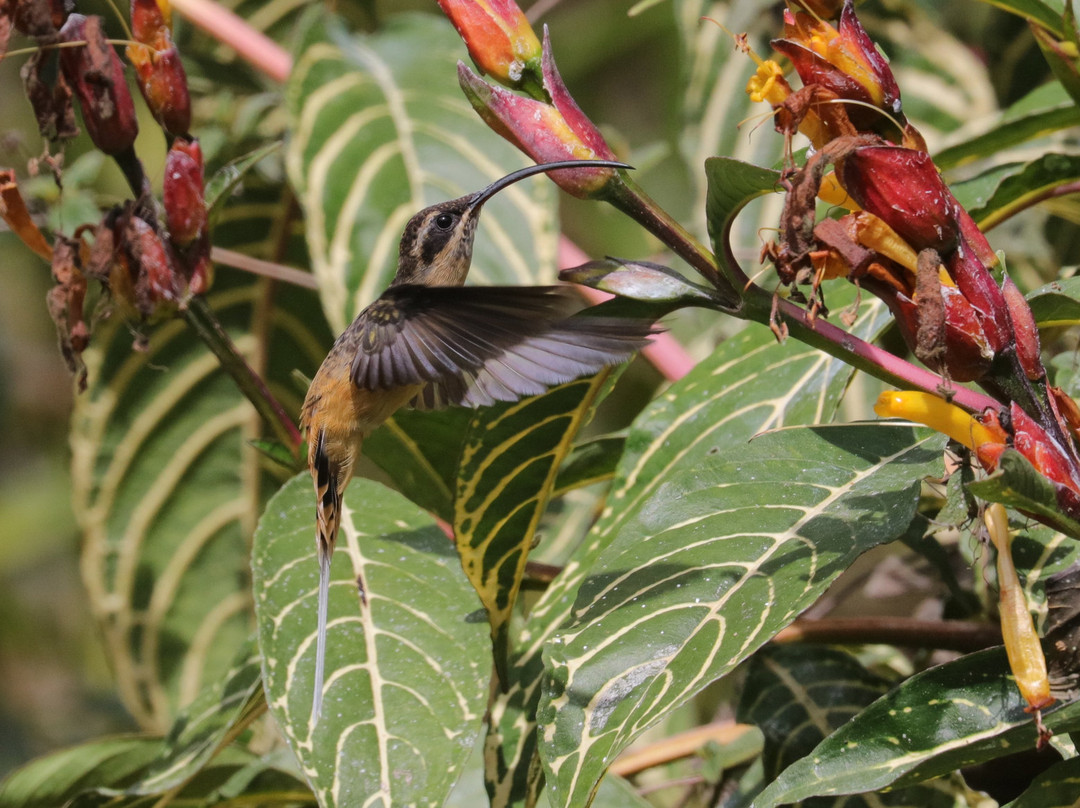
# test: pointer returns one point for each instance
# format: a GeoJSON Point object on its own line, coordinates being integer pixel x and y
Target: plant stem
{"type": "Point", "coordinates": [625, 195]}
{"type": "Point", "coordinates": [952, 635]}
{"type": "Point", "coordinates": [200, 317]}
{"type": "Point", "coordinates": [858, 353]}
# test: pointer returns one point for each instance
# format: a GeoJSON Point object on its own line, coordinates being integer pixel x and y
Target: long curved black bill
{"type": "Point", "coordinates": [482, 196]}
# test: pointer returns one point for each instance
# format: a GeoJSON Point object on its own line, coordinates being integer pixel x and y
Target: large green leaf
{"type": "Point", "coordinates": [511, 455]}
{"type": "Point", "coordinates": [381, 130]}
{"type": "Point", "coordinates": [1047, 13]}
{"type": "Point", "coordinates": [798, 694]}
{"type": "Point", "coordinates": [963, 712]}
{"type": "Point", "coordinates": [714, 561]}
{"type": "Point", "coordinates": [406, 672]}
{"type": "Point", "coordinates": [750, 383]}
{"type": "Point", "coordinates": [220, 712]}
{"type": "Point", "coordinates": [419, 452]}
{"type": "Point", "coordinates": [167, 492]}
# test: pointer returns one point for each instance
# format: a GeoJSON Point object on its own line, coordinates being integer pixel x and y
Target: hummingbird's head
{"type": "Point", "coordinates": [437, 245]}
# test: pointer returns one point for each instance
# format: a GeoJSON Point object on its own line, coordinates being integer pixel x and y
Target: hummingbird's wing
{"type": "Point", "coordinates": [481, 344]}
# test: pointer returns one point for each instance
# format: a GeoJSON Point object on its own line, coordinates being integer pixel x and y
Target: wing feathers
{"type": "Point", "coordinates": [479, 345]}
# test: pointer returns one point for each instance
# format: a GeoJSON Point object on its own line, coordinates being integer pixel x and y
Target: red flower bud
{"type": "Point", "coordinates": [980, 289]}
{"type": "Point", "coordinates": [500, 40]}
{"type": "Point", "coordinates": [185, 206]}
{"type": "Point", "coordinates": [965, 353]}
{"type": "Point", "coordinates": [903, 187]}
{"type": "Point", "coordinates": [155, 283]}
{"type": "Point", "coordinates": [158, 68]}
{"type": "Point", "coordinates": [1028, 349]}
{"type": "Point", "coordinates": [1034, 443]}
{"type": "Point", "coordinates": [150, 20]}
{"type": "Point", "coordinates": [97, 75]}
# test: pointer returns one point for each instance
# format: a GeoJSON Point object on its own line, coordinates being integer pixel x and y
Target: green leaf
{"type": "Point", "coordinates": [200, 731]}
{"type": "Point", "coordinates": [1062, 52]}
{"type": "Point", "coordinates": [229, 176]}
{"type": "Point", "coordinates": [1056, 787]}
{"type": "Point", "coordinates": [798, 694]}
{"type": "Point", "coordinates": [732, 184]}
{"type": "Point", "coordinates": [419, 452]}
{"type": "Point", "coordinates": [717, 111]}
{"type": "Point", "coordinates": [407, 672]}
{"type": "Point", "coordinates": [381, 130]}
{"type": "Point", "coordinates": [703, 573]}
{"type": "Point", "coordinates": [643, 281]}
{"type": "Point", "coordinates": [1047, 13]}
{"type": "Point", "coordinates": [53, 780]}
{"type": "Point", "coordinates": [191, 757]}
{"type": "Point", "coordinates": [749, 383]}
{"type": "Point", "coordinates": [963, 712]}
{"type": "Point", "coordinates": [1003, 191]}
{"type": "Point", "coordinates": [1057, 303]}
{"type": "Point", "coordinates": [511, 455]}
{"type": "Point", "coordinates": [167, 490]}
{"type": "Point", "coordinates": [1018, 485]}
{"type": "Point", "coordinates": [592, 461]}
{"type": "Point", "coordinates": [1043, 111]}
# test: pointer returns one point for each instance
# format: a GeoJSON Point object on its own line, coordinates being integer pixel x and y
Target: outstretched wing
{"type": "Point", "coordinates": [482, 344]}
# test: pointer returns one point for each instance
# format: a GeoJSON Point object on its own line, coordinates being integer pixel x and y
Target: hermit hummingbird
{"type": "Point", "coordinates": [429, 342]}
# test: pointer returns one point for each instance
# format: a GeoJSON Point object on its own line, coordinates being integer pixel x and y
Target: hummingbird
{"type": "Point", "coordinates": [430, 342]}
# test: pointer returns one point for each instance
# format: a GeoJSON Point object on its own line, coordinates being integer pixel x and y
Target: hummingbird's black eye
{"type": "Point", "coordinates": [444, 221]}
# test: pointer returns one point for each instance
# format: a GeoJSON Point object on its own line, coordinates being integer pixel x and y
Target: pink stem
{"type": "Point", "coordinates": [256, 48]}
{"type": "Point", "coordinates": [664, 352]}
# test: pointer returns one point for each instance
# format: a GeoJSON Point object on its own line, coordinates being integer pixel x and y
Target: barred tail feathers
{"type": "Point", "coordinates": [327, 517]}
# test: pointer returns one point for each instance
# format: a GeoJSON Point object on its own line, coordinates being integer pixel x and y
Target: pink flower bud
{"type": "Point", "coordinates": [546, 132]}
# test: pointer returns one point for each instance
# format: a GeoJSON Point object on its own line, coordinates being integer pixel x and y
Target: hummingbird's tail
{"type": "Point", "coordinates": [327, 518]}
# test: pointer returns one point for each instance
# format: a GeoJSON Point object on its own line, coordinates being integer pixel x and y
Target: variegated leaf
{"type": "Point", "coordinates": [715, 560]}
{"type": "Point", "coordinates": [1056, 787]}
{"type": "Point", "coordinates": [167, 493]}
{"type": "Point", "coordinates": [750, 383]}
{"type": "Point", "coordinates": [195, 760]}
{"type": "Point", "coordinates": [956, 714]}
{"type": "Point", "coordinates": [407, 671]}
{"type": "Point", "coordinates": [511, 455]}
{"type": "Point", "coordinates": [798, 694]}
{"type": "Point", "coordinates": [419, 452]}
{"type": "Point", "coordinates": [381, 130]}
{"type": "Point", "coordinates": [216, 716]}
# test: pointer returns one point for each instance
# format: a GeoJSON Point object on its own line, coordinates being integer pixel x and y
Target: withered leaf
{"type": "Point", "coordinates": [930, 340]}
{"type": "Point", "coordinates": [50, 96]}
{"type": "Point", "coordinates": [65, 302]}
